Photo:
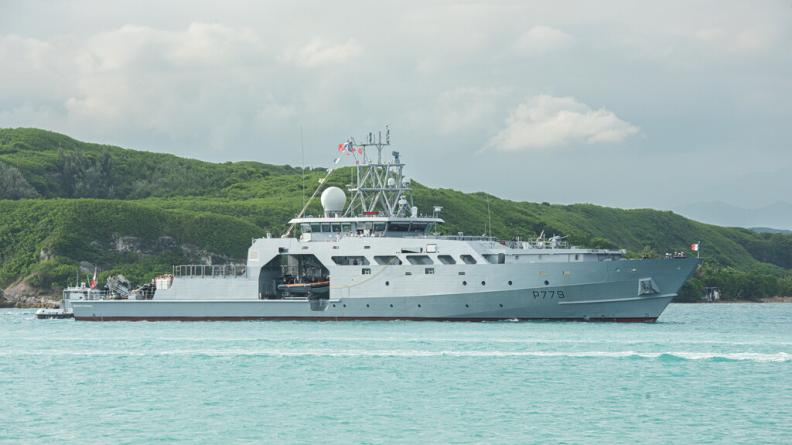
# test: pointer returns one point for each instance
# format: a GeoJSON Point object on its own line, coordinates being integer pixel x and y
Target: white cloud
{"type": "Point", "coordinates": [200, 44]}
{"type": "Point", "coordinates": [548, 121]}
{"type": "Point", "coordinates": [318, 53]}
{"type": "Point", "coordinates": [541, 39]}
{"type": "Point", "coordinates": [467, 108]}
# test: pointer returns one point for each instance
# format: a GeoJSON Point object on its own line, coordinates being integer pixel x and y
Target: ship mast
{"type": "Point", "coordinates": [381, 187]}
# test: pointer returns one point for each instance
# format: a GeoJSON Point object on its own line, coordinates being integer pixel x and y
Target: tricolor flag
{"type": "Point", "coordinates": [93, 280]}
{"type": "Point", "coordinates": [695, 246]}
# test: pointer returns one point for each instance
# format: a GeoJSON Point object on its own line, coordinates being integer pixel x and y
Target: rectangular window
{"type": "Point", "coordinates": [429, 271]}
{"type": "Point", "coordinates": [316, 227]}
{"type": "Point", "coordinates": [326, 227]}
{"type": "Point", "coordinates": [350, 260]}
{"type": "Point", "coordinates": [446, 259]}
{"type": "Point", "coordinates": [387, 260]}
{"type": "Point", "coordinates": [398, 227]}
{"type": "Point", "coordinates": [366, 271]}
{"type": "Point", "coordinates": [499, 258]}
{"type": "Point", "coordinates": [407, 273]}
{"type": "Point", "coordinates": [419, 259]}
{"type": "Point", "coordinates": [420, 228]}
{"type": "Point", "coordinates": [468, 259]}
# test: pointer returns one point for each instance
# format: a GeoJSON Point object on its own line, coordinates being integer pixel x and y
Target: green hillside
{"type": "Point", "coordinates": [63, 202]}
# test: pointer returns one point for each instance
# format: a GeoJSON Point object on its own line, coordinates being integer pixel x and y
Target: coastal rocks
{"type": "Point", "coordinates": [22, 294]}
{"type": "Point", "coordinates": [127, 244]}
{"type": "Point", "coordinates": [166, 242]}
{"type": "Point", "coordinates": [201, 256]}
{"type": "Point", "coordinates": [86, 267]}
{"type": "Point", "coordinates": [45, 254]}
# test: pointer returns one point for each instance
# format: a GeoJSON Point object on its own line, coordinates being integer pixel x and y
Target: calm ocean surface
{"type": "Point", "coordinates": [702, 374]}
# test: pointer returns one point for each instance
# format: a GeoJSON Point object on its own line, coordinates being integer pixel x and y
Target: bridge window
{"type": "Point", "coordinates": [316, 227]}
{"type": "Point", "coordinates": [350, 260]}
{"type": "Point", "coordinates": [399, 227]}
{"type": "Point", "coordinates": [379, 227]}
{"type": "Point", "coordinates": [419, 259]}
{"type": "Point", "coordinates": [446, 259]}
{"type": "Point", "coordinates": [499, 258]}
{"type": "Point", "coordinates": [387, 260]}
{"type": "Point", "coordinates": [305, 228]}
{"type": "Point", "coordinates": [468, 259]}
{"type": "Point", "coordinates": [336, 228]}
{"type": "Point", "coordinates": [326, 227]}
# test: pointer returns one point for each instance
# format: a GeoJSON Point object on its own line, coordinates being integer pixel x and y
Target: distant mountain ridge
{"type": "Point", "coordinates": [777, 215]}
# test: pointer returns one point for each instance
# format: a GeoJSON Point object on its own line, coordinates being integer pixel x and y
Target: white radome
{"type": "Point", "coordinates": [333, 199]}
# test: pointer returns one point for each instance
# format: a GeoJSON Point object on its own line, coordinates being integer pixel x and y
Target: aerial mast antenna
{"type": "Point", "coordinates": [302, 154]}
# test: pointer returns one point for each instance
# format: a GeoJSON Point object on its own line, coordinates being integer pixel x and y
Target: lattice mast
{"type": "Point", "coordinates": [380, 187]}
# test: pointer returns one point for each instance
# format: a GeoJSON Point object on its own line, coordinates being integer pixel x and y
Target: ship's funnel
{"type": "Point", "coordinates": [333, 201]}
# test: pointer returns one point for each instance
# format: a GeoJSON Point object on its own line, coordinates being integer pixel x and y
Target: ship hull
{"type": "Point", "coordinates": [513, 305]}
{"type": "Point", "coordinates": [615, 299]}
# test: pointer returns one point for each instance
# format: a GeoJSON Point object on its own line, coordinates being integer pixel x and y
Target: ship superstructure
{"type": "Point", "coordinates": [374, 256]}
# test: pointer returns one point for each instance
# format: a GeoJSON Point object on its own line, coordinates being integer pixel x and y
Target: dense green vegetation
{"type": "Point", "coordinates": [63, 202]}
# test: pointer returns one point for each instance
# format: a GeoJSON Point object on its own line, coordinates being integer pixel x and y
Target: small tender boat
{"type": "Point", "coordinates": [317, 287]}
{"type": "Point", "coordinates": [74, 293]}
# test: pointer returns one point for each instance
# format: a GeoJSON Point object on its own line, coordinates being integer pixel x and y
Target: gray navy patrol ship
{"type": "Point", "coordinates": [376, 257]}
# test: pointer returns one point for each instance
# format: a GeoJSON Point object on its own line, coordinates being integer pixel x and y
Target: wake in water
{"type": "Point", "coordinates": [670, 355]}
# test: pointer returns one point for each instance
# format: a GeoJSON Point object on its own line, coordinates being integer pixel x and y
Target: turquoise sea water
{"type": "Point", "coordinates": [702, 374]}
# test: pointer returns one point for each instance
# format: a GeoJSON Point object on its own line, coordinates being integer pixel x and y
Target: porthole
{"type": "Point", "coordinates": [483, 283]}
{"type": "Point", "coordinates": [547, 283]}
{"type": "Point", "coordinates": [464, 283]}
{"type": "Point", "coordinates": [419, 305]}
{"type": "Point", "coordinates": [344, 305]}
{"type": "Point", "coordinates": [391, 305]}
{"type": "Point", "coordinates": [500, 305]}
{"type": "Point", "coordinates": [333, 304]}
{"type": "Point", "coordinates": [467, 305]}
{"type": "Point", "coordinates": [510, 283]}
{"type": "Point", "coordinates": [387, 283]}
{"type": "Point", "coordinates": [367, 305]}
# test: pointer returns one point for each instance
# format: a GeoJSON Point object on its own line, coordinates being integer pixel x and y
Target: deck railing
{"type": "Point", "coordinates": [210, 271]}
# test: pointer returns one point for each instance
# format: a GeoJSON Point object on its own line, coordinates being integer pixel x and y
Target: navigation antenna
{"type": "Point", "coordinates": [379, 187]}
{"type": "Point", "coordinates": [302, 154]}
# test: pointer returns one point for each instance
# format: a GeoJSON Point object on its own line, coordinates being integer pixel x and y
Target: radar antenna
{"type": "Point", "coordinates": [380, 188]}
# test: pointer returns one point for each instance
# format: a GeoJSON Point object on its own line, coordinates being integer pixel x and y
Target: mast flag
{"type": "Point", "coordinates": [696, 247]}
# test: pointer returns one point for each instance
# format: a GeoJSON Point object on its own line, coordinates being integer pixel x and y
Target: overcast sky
{"type": "Point", "coordinates": [619, 103]}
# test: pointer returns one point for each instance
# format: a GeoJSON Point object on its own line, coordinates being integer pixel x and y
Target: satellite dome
{"type": "Point", "coordinates": [333, 200]}
{"type": "Point", "coordinates": [391, 182]}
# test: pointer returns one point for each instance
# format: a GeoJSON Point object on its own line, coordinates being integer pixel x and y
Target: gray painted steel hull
{"type": "Point", "coordinates": [617, 299]}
